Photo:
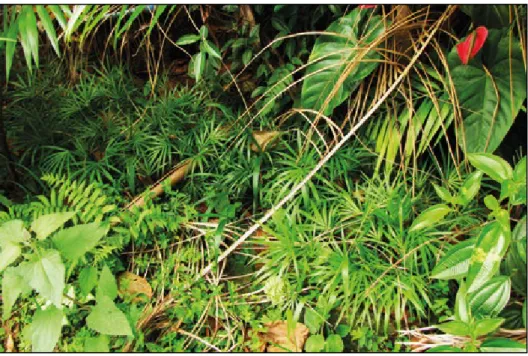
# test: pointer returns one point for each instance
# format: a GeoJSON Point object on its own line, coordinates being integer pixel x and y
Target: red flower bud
{"type": "Point", "coordinates": [472, 44]}
{"type": "Point", "coordinates": [371, 6]}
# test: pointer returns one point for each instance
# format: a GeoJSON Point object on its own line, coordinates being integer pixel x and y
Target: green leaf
{"type": "Point", "coordinates": [514, 265]}
{"type": "Point", "coordinates": [470, 188]}
{"type": "Point", "coordinates": [519, 172]}
{"type": "Point", "coordinates": [491, 298]}
{"type": "Point", "coordinates": [188, 39]}
{"type": "Point", "coordinates": [489, 96]}
{"type": "Point", "coordinates": [501, 344]}
{"type": "Point", "coordinates": [11, 46]}
{"type": "Point", "coordinates": [137, 11]}
{"type": "Point", "coordinates": [489, 250]}
{"type": "Point", "coordinates": [313, 320]}
{"type": "Point", "coordinates": [97, 344]}
{"type": "Point", "coordinates": [315, 343]}
{"type": "Point", "coordinates": [212, 49]}
{"type": "Point", "coordinates": [491, 16]}
{"type": "Point", "coordinates": [334, 343]}
{"type": "Point", "coordinates": [48, 27]}
{"type": "Point", "coordinates": [75, 241]}
{"type": "Point", "coordinates": [8, 254]}
{"type": "Point", "coordinates": [13, 232]}
{"type": "Point", "coordinates": [75, 20]}
{"type": "Point", "coordinates": [461, 304]}
{"type": "Point", "coordinates": [246, 56]}
{"type": "Point", "coordinates": [455, 263]}
{"type": "Point", "coordinates": [45, 329]}
{"type": "Point", "coordinates": [29, 34]}
{"type": "Point", "coordinates": [45, 225]}
{"type": "Point", "coordinates": [107, 319]}
{"type": "Point", "coordinates": [59, 15]}
{"type": "Point", "coordinates": [444, 348]}
{"type": "Point", "coordinates": [488, 325]}
{"type": "Point", "coordinates": [336, 55]}
{"type": "Point", "coordinates": [495, 167]}
{"type": "Point", "coordinates": [13, 285]}
{"type": "Point", "coordinates": [491, 202]}
{"type": "Point", "coordinates": [160, 9]}
{"type": "Point", "coordinates": [46, 275]}
{"type": "Point", "coordinates": [204, 32]}
{"type": "Point", "coordinates": [430, 217]}
{"type": "Point", "coordinates": [524, 313]}
{"type": "Point", "coordinates": [443, 193]}
{"type": "Point", "coordinates": [107, 284]}
{"type": "Point", "coordinates": [87, 279]}
{"type": "Point", "coordinates": [457, 328]}
{"type": "Point", "coordinates": [199, 65]}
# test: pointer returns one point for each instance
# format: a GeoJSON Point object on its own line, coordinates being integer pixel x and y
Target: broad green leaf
{"type": "Point", "coordinates": [59, 15]}
{"type": "Point", "coordinates": [13, 285]}
{"type": "Point", "coordinates": [489, 15]}
{"type": "Point", "coordinates": [45, 329]}
{"type": "Point", "coordinates": [46, 275]}
{"type": "Point", "coordinates": [188, 39]}
{"type": "Point", "coordinates": [491, 298]}
{"type": "Point", "coordinates": [455, 263]}
{"type": "Point", "coordinates": [107, 319]}
{"type": "Point", "coordinates": [490, 90]}
{"type": "Point", "coordinates": [470, 188]}
{"type": "Point", "coordinates": [519, 172]}
{"type": "Point", "coordinates": [489, 250]}
{"type": "Point", "coordinates": [313, 320]}
{"type": "Point", "coordinates": [45, 225]}
{"type": "Point", "coordinates": [9, 252]}
{"type": "Point", "coordinates": [199, 65]}
{"type": "Point", "coordinates": [488, 325]}
{"type": "Point", "coordinates": [457, 328]}
{"type": "Point", "coordinates": [315, 343]}
{"type": "Point", "coordinates": [13, 232]}
{"type": "Point", "coordinates": [341, 52]}
{"type": "Point", "coordinates": [107, 285]}
{"type": "Point", "coordinates": [430, 217]}
{"type": "Point", "coordinates": [48, 27]}
{"type": "Point", "coordinates": [212, 49]}
{"type": "Point", "coordinates": [462, 312]}
{"type": "Point", "coordinates": [88, 279]}
{"type": "Point", "coordinates": [444, 348]}
{"type": "Point", "coordinates": [491, 202]}
{"type": "Point", "coordinates": [334, 343]}
{"type": "Point", "coordinates": [500, 344]}
{"type": "Point", "coordinates": [495, 167]}
{"type": "Point", "coordinates": [514, 264]}
{"type": "Point", "coordinates": [75, 241]}
{"type": "Point", "coordinates": [97, 344]}
{"type": "Point", "coordinates": [11, 46]}
{"type": "Point", "coordinates": [519, 179]}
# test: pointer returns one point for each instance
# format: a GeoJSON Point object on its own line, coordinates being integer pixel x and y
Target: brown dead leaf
{"type": "Point", "coordinates": [276, 339]}
{"type": "Point", "coordinates": [263, 138]}
{"type": "Point", "coordinates": [134, 286]}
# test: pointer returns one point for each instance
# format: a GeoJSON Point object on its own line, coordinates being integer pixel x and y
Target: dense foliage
{"type": "Point", "coordinates": [263, 178]}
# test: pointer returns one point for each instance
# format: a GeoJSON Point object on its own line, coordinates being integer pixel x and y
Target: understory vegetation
{"type": "Point", "coordinates": [249, 178]}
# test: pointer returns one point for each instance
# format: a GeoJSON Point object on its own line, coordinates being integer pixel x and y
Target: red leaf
{"type": "Point", "coordinates": [471, 45]}
{"type": "Point", "coordinates": [367, 6]}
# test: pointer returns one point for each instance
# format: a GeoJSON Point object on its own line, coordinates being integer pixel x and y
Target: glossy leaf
{"type": "Point", "coordinates": [489, 250]}
{"type": "Point", "coordinates": [491, 298]}
{"type": "Point", "coordinates": [495, 167]}
{"type": "Point", "coordinates": [487, 326]}
{"type": "Point", "coordinates": [332, 54]}
{"type": "Point", "coordinates": [473, 43]}
{"type": "Point", "coordinates": [455, 263]}
{"type": "Point", "coordinates": [188, 39]}
{"type": "Point", "coordinates": [470, 188]}
{"type": "Point", "coordinates": [107, 319]}
{"type": "Point", "coordinates": [45, 329]}
{"type": "Point", "coordinates": [430, 217]}
{"type": "Point", "coordinates": [500, 344]}
{"type": "Point", "coordinates": [45, 225]}
{"type": "Point", "coordinates": [75, 241]}
{"type": "Point", "coordinates": [457, 328]}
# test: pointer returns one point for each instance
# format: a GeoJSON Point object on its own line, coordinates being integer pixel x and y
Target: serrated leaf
{"type": "Point", "coordinates": [429, 217]}
{"type": "Point", "coordinates": [88, 279]}
{"type": "Point", "coordinates": [75, 241]}
{"type": "Point", "coordinates": [500, 344]}
{"type": "Point", "coordinates": [46, 275]}
{"type": "Point", "coordinates": [491, 298]}
{"type": "Point", "coordinates": [455, 263]}
{"type": "Point", "coordinates": [45, 329]}
{"type": "Point", "coordinates": [13, 285]}
{"type": "Point", "coordinates": [107, 319]}
{"type": "Point", "coordinates": [45, 225]}
{"type": "Point", "coordinates": [107, 285]}
{"type": "Point", "coordinates": [495, 167]}
{"type": "Point", "coordinates": [489, 250]}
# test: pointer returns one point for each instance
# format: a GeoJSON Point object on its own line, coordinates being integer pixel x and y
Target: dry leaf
{"type": "Point", "coordinates": [263, 138]}
{"type": "Point", "coordinates": [135, 286]}
{"type": "Point", "coordinates": [276, 338]}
